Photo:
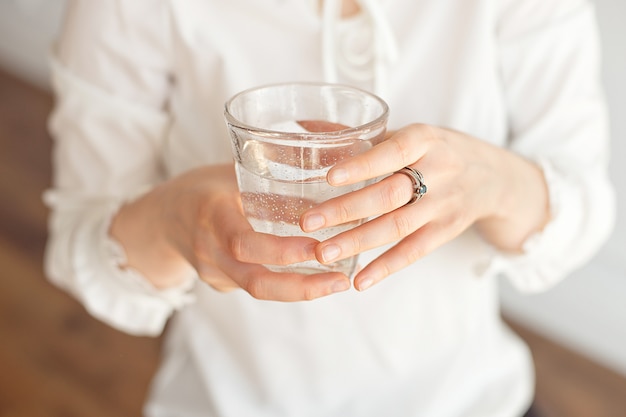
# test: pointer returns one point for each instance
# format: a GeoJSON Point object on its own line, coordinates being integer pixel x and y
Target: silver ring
{"type": "Point", "coordinates": [419, 188]}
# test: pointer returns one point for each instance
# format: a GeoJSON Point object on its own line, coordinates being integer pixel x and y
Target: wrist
{"type": "Point", "coordinates": [521, 204]}
{"type": "Point", "coordinates": [138, 228]}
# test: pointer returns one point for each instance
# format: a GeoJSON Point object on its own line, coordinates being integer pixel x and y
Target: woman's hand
{"type": "Point", "coordinates": [195, 222]}
{"type": "Point", "coordinates": [470, 182]}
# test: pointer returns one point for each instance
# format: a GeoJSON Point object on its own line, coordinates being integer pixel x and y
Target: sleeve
{"type": "Point", "coordinates": [111, 82]}
{"type": "Point", "coordinates": [550, 64]}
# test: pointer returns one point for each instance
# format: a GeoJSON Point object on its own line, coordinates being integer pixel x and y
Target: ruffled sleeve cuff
{"type": "Point", "coordinates": [116, 295]}
{"type": "Point", "coordinates": [582, 214]}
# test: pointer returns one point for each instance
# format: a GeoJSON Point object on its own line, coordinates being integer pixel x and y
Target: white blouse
{"type": "Point", "coordinates": [140, 87]}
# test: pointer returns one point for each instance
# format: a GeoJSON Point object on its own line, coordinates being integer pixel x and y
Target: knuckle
{"type": "Point", "coordinates": [459, 220]}
{"type": "Point", "coordinates": [308, 294]}
{"type": "Point", "coordinates": [414, 253]}
{"type": "Point", "coordinates": [237, 246]}
{"type": "Point", "coordinates": [458, 217]}
{"type": "Point", "coordinates": [353, 244]}
{"type": "Point", "coordinates": [403, 149]}
{"type": "Point", "coordinates": [285, 256]}
{"type": "Point", "coordinates": [402, 225]}
{"type": "Point", "coordinates": [427, 132]}
{"type": "Point", "coordinates": [371, 167]}
{"type": "Point", "coordinates": [394, 195]}
{"type": "Point", "coordinates": [344, 213]}
{"type": "Point", "coordinates": [255, 287]}
{"type": "Point", "coordinates": [455, 219]}
{"type": "Point", "coordinates": [280, 252]}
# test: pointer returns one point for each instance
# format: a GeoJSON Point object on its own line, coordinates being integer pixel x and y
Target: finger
{"type": "Point", "coordinates": [224, 273]}
{"type": "Point", "coordinates": [213, 276]}
{"type": "Point", "coordinates": [377, 232]}
{"type": "Point", "coordinates": [379, 198]}
{"type": "Point", "coordinates": [252, 247]}
{"type": "Point", "coordinates": [403, 148]}
{"type": "Point", "coordinates": [237, 236]}
{"type": "Point", "coordinates": [406, 252]}
{"type": "Point", "coordinates": [263, 284]}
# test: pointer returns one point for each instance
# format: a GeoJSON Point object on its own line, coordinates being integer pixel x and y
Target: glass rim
{"type": "Point", "coordinates": [314, 136]}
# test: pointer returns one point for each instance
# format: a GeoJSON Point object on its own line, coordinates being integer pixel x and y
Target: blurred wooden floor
{"type": "Point", "coordinates": [56, 361]}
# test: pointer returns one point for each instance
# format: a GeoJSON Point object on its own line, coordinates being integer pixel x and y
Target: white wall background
{"type": "Point", "coordinates": [586, 312]}
{"type": "Point", "coordinates": [26, 30]}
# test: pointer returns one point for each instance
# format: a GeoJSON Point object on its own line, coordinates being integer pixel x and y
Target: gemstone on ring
{"type": "Point", "coordinates": [419, 188]}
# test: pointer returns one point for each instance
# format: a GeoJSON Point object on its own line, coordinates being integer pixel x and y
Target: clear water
{"type": "Point", "coordinates": [279, 179]}
{"type": "Point", "coordinates": [273, 204]}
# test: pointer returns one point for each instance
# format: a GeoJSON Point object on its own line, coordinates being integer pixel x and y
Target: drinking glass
{"type": "Point", "coordinates": [285, 138]}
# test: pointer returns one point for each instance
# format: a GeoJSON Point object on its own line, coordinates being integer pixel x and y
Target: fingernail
{"type": "Point", "coordinates": [330, 253]}
{"type": "Point", "coordinates": [338, 176]}
{"type": "Point", "coordinates": [339, 286]}
{"type": "Point", "coordinates": [313, 222]}
{"type": "Point", "coordinates": [365, 283]}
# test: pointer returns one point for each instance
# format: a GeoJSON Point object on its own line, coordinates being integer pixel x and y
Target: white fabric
{"type": "Point", "coordinates": [140, 91]}
{"type": "Point", "coordinates": [362, 51]}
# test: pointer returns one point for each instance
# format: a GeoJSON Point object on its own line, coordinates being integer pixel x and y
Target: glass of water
{"type": "Point", "coordinates": [285, 138]}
